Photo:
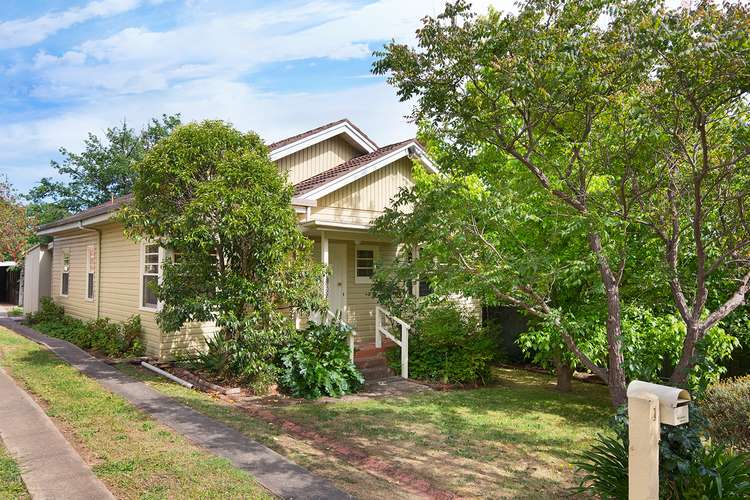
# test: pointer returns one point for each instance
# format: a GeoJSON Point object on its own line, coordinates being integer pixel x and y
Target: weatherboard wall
{"type": "Point", "coordinates": [316, 159]}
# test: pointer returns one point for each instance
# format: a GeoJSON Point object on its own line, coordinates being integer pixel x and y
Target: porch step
{"type": "Point", "coordinates": [371, 362]}
{"type": "Point", "coordinates": [376, 373]}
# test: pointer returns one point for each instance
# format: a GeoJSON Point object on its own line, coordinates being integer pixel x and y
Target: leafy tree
{"type": "Point", "coordinates": [592, 113]}
{"type": "Point", "coordinates": [479, 233]}
{"type": "Point", "coordinates": [105, 168]}
{"type": "Point", "coordinates": [211, 195]}
{"type": "Point", "coordinates": [15, 224]}
{"type": "Point", "coordinates": [693, 193]}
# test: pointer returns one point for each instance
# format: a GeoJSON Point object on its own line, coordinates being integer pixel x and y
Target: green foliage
{"type": "Point", "coordinates": [652, 345]}
{"type": "Point", "coordinates": [48, 311]}
{"type": "Point", "coordinates": [688, 468]}
{"type": "Point", "coordinates": [100, 335]}
{"type": "Point", "coordinates": [236, 360]}
{"type": "Point", "coordinates": [316, 363]}
{"type": "Point", "coordinates": [15, 224]}
{"type": "Point", "coordinates": [727, 407]}
{"type": "Point", "coordinates": [447, 345]}
{"type": "Point", "coordinates": [105, 168]}
{"type": "Point", "coordinates": [16, 311]}
{"type": "Point", "coordinates": [630, 135]}
{"type": "Point", "coordinates": [211, 195]}
{"type": "Point", "coordinates": [605, 469]}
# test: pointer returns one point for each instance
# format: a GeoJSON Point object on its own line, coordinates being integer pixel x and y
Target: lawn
{"type": "Point", "coordinates": [513, 439]}
{"type": "Point", "coordinates": [11, 484]}
{"type": "Point", "coordinates": [135, 456]}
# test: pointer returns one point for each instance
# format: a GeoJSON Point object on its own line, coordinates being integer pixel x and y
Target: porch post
{"type": "Point", "coordinates": [324, 260]}
{"type": "Point", "coordinates": [415, 283]}
{"type": "Point", "coordinates": [404, 351]}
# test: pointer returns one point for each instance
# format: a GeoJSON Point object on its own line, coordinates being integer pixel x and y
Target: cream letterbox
{"type": "Point", "coordinates": [673, 401]}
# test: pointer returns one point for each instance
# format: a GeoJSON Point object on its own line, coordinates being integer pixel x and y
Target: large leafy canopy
{"type": "Point", "coordinates": [211, 195]}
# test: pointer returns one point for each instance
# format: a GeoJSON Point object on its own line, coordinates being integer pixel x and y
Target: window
{"type": "Point", "coordinates": [65, 277]}
{"type": "Point", "coordinates": [90, 271]}
{"type": "Point", "coordinates": [424, 288]}
{"type": "Point", "coordinates": [150, 271]}
{"type": "Point", "coordinates": [365, 263]}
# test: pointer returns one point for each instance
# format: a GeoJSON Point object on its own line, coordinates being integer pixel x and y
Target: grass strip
{"type": "Point", "coordinates": [135, 456]}
{"type": "Point", "coordinates": [11, 484]}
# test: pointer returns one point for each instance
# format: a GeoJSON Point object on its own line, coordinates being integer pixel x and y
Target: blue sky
{"type": "Point", "coordinates": [70, 67]}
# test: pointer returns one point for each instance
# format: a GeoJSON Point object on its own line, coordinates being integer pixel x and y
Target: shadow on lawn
{"type": "Point", "coordinates": [530, 412]}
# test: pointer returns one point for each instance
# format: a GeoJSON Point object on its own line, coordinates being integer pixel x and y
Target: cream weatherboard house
{"type": "Point", "coordinates": [343, 181]}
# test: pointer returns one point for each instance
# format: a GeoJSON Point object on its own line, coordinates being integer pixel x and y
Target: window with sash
{"type": "Point", "coordinates": [151, 256]}
{"type": "Point", "coordinates": [65, 276]}
{"type": "Point", "coordinates": [366, 256]}
{"type": "Point", "coordinates": [90, 271]}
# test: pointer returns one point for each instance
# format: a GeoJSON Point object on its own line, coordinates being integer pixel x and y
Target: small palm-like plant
{"type": "Point", "coordinates": [605, 468]}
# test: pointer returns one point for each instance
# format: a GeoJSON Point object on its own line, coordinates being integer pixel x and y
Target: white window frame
{"type": "Point", "coordinates": [361, 280]}
{"type": "Point", "coordinates": [90, 284]}
{"type": "Point", "coordinates": [65, 253]}
{"type": "Point", "coordinates": [141, 274]}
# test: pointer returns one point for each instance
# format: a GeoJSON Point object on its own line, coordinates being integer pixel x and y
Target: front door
{"type": "Point", "coordinates": [337, 279]}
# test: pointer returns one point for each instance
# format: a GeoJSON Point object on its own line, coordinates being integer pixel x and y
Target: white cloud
{"type": "Point", "coordinates": [232, 45]}
{"type": "Point", "coordinates": [200, 69]}
{"type": "Point", "coordinates": [26, 148]}
{"type": "Point", "coordinates": [25, 32]}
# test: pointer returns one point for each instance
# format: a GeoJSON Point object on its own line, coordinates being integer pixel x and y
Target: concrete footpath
{"type": "Point", "coordinates": [279, 475]}
{"type": "Point", "coordinates": [50, 467]}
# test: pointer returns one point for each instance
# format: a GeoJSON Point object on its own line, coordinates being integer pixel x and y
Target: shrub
{"type": "Point", "coordinates": [687, 468]}
{"type": "Point", "coordinates": [447, 345]}
{"type": "Point", "coordinates": [48, 311]}
{"type": "Point", "coordinates": [727, 406]}
{"type": "Point", "coordinates": [605, 468]}
{"type": "Point", "coordinates": [316, 363]}
{"type": "Point", "coordinates": [15, 311]}
{"type": "Point", "coordinates": [100, 335]}
{"type": "Point", "coordinates": [239, 360]}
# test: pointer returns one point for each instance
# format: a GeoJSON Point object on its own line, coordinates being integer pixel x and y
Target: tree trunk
{"type": "Point", "coordinates": [687, 358]}
{"type": "Point", "coordinates": [564, 375]}
{"type": "Point", "coordinates": [615, 374]}
{"type": "Point", "coordinates": [617, 384]}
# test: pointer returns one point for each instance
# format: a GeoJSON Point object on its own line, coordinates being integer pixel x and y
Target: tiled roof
{"type": "Point", "coordinates": [295, 138]}
{"type": "Point", "coordinates": [344, 168]}
{"type": "Point", "coordinates": [104, 208]}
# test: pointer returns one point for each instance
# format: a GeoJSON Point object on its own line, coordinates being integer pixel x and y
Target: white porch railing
{"type": "Point", "coordinates": [331, 317]}
{"type": "Point", "coordinates": [381, 329]}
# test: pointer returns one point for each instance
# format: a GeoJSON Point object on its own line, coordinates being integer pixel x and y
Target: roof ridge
{"type": "Point", "coordinates": [294, 138]}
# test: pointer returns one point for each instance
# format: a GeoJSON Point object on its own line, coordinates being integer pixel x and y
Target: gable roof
{"type": "Point", "coordinates": [350, 132]}
{"type": "Point", "coordinates": [72, 220]}
{"type": "Point", "coordinates": [306, 192]}
{"type": "Point", "coordinates": [345, 173]}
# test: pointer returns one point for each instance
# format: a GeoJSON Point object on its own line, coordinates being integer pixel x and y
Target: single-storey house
{"type": "Point", "coordinates": [343, 181]}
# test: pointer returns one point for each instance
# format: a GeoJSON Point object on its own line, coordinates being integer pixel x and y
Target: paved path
{"type": "Point", "coordinates": [50, 467]}
{"type": "Point", "coordinates": [281, 476]}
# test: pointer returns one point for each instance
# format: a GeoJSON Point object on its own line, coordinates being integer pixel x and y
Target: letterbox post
{"type": "Point", "coordinates": [649, 406]}
{"type": "Point", "coordinates": [643, 452]}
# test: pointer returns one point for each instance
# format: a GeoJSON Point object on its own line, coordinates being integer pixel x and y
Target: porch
{"type": "Point", "coordinates": [352, 253]}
